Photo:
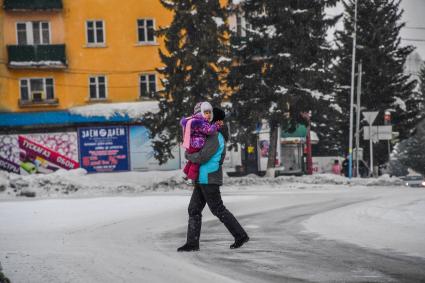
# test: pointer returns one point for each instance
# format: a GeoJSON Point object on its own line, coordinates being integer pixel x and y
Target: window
{"type": "Point", "coordinates": [95, 32]}
{"type": "Point", "coordinates": [97, 87]}
{"type": "Point", "coordinates": [146, 28]}
{"type": "Point", "coordinates": [37, 89]}
{"type": "Point", "coordinates": [33, 33]}
{"type": "Point", "coordinates": [147, 85]}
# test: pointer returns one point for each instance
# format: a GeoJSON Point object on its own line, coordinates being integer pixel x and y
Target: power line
{"type": "Point", "coordinates": [414, 39]}
{"type": "Point", "coordinates": [420, 28]}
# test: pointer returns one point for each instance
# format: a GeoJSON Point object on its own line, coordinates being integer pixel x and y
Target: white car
{"type": "Point", "coordinates": [414, 181]}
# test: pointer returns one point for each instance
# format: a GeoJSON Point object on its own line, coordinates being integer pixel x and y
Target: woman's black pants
{"type": "Point", "coordinates": [210, 194]}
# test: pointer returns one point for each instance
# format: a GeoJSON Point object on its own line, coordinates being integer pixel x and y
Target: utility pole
{"type": "Point", "coordinates": [353, 69]}
{"type": "Point", "coordinates": [309, 153]}
{"type": "Point", "coordinates": [359, 93]}
{"type": "Point", "coordinates": [371, 150]}
{"type": "Point", "coordinates": [307, 117]}
{"type": "Point", "coordinates": [370, 117]}
{"type": "Point", "coordinates": [387, 121]}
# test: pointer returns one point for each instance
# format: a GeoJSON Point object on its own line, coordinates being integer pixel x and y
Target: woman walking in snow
{"type": "Point", "coordinates": [207, 190]}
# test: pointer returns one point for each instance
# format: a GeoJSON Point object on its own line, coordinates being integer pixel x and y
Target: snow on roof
{"type": "Point", "coordinates": [133, 109]}
{"type": "Point", "coordinates": [36, 63]}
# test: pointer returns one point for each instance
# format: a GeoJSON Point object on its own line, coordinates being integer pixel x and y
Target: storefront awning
{"type": "Point", "coordinates": [53, 118]}
{"type": "Point", "coordinates": [298, 136]}
{"type": "Point", "coordinates": [300, 132]}
{"type": "Point", "coordinates": [96, 113]}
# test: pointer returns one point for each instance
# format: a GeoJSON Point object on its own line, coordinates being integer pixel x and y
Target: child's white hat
{"type": "Point", "coordinates": [206, 106]}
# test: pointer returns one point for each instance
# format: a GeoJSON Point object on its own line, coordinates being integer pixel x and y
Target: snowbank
{"type": "Point", "coordinates": [134, 110]}
{"type": "Point", "coordinates": [384, 180]}
{"type": "Point", "coordinates": [396, 223]}
{"type": "Point", "coordinates": [80, 184]}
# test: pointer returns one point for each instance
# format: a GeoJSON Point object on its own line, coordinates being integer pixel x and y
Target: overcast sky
{"type": "Point", "coordinates": [414, 16]}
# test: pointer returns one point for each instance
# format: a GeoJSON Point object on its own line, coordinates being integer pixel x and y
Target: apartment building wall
{"type": "Point", "coordinates": [3, 69]}
{"type": "Point", "coordinates": [121, 60]}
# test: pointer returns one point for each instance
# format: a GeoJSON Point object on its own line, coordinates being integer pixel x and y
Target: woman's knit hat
{"type": "Point", "coordinates": [218, 114]}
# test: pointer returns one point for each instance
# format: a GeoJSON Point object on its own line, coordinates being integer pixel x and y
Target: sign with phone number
{"type": "Point", "coordinates": [104, 149]}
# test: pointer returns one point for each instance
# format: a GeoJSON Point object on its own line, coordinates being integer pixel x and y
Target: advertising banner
{"type": "Point", "coordinates": [263, 131]}
{"type": "Point", "coordinates": [104, 149]}
{"type": "Point", "coordinates": [142, 153]}
{"type": "Point", "coordinates": [38, 153]}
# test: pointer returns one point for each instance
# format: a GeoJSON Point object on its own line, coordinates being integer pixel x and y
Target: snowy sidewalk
{"type": "Point", "coordinates": [395, 222]}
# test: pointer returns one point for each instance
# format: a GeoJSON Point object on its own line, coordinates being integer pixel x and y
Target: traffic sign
{"type": "Point", "coordinates": [370, 116]}
{"type": "Point", "coordinates": [378, 133]}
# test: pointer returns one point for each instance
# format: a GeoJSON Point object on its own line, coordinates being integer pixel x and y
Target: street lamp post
{"type": "Point", "coordinates": [353, 69]}
{"type": "Point", "coordinates": [387, 121]}
{"type": "Point", "coordinates": [359, 92]}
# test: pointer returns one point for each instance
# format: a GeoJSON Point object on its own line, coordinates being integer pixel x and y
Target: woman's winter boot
{"type": "Point", "coordinates": [188, 248]}
{"type": "Point", "coordinates": [193, 234]}
{"type": "Point", "coordinates": [239, 242]}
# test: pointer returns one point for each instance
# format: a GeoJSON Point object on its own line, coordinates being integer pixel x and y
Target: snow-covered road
{"type": "Point", "coordinates": [133, 239]}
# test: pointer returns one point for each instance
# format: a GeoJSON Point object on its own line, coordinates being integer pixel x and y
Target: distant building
{"type": "Point", "coordinates": [57, 54]}
{"type": "Point", "coordinates": [414, 64]}
{"type": "Point", "coordinates": [76, 77]}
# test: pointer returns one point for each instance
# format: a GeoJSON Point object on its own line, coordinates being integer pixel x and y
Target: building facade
{"type": "Point", "coordinates": [76, 77]}
{"type": "Point", "coordinates": [58, 54]}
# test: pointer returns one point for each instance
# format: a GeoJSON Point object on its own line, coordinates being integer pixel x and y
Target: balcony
{"type": "Point", "coordinates": [38, 103]}
{"type": "Point", "coordinates": [37, 56]}
{"type": "Point", "coordinates": [33, 5]}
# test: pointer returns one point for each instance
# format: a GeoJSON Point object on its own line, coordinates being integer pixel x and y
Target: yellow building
{"type": "Point", "coordinates": [57, 54]}
{"type": "Point", "coordinates": [2, 61]}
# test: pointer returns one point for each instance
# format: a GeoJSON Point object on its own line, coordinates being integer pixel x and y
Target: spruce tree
{"type": "Point", "coordinates": [385, 86]}
{"type": "Point", "coordinates": [195, 57]}
{"type": "Point", "coordinates": [281, 64]}
{"type": "Point", "coordinates": [421, 90]}
{"type": "Point", "coordinates": [410, 153]}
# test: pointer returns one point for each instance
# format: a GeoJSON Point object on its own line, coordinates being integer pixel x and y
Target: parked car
{"type": "Point", "coordinates": [414, 181]}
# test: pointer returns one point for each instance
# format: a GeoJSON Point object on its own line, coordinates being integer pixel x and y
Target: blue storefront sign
{"type": "Point", "coordinates": [104, 149]}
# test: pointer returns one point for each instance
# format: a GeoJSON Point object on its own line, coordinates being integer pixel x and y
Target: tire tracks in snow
{"type": "Point", "coordinates": [281, 251]}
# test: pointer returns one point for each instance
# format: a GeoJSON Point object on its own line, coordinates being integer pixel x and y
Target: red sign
{"type": "Point", "coordinates": [47, 154]}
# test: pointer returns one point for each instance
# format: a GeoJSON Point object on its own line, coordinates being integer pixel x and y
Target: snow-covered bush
{"type": "Point", "coordinates": [410, 152]}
